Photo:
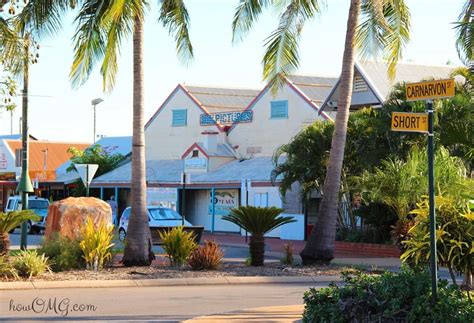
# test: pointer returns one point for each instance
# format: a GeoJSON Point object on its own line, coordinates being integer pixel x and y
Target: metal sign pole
{"type": "Point", "coordinates": [431, 193]}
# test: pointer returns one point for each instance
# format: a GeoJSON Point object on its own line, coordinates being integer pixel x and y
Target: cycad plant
{"type": "Point", "coordinates": [257, 221]}
{"type": "Point", "coordinates": [8, 222]}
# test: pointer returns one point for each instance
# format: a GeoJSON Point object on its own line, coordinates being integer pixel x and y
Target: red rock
{"type": "Point", "coordinates": [67, 216]}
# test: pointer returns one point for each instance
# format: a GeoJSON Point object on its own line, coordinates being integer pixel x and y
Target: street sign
{"type": "Point", "coordinates": [429, 90]}
{"type": "Point", "coordinates": [87, 172]}
{"type": "Point", "coordinates": [410, 122]}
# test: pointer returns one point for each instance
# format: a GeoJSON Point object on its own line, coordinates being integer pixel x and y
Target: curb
{"type": "Point", "coordinates": [200, 281]}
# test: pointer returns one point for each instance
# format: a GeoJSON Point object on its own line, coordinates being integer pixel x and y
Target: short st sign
{"type": "Point", "coordinates": [411, 122]}
{"type": "Point", "coordinates": [429, 90]}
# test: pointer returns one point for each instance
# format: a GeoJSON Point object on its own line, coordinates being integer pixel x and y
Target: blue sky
{"type": "Point", "coordinates": [60, 113]}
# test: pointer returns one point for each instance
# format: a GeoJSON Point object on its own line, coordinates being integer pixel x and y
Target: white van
{"type": "Point", "coordinates": [36, 204]}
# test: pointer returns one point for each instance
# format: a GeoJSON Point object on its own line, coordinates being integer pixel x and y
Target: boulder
{"type": "Point", "coordinates": [67, 216]}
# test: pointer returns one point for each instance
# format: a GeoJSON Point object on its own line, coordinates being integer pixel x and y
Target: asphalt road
{"type": "Point", "coordinates": [174, 303]}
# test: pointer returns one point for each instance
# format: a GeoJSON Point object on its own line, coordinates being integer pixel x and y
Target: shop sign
{"type": "Point", "coordinates": [7, 176]}
{"type": "Point", "coordinates": [224, 201]}
{"type": "Point", "coordinates": [226, 118]}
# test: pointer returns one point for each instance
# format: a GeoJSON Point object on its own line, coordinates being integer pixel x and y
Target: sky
{"type": "Point", "coordinates": [59, 112]}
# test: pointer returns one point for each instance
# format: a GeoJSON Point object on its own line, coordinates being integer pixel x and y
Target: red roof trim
{"type": "Point", "coordinates": [162, 106]}
{"type": "Point", "coordinates": [195, 145]}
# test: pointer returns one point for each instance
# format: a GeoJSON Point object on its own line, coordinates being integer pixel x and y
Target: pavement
{"type": "Point", "coordinates": [289, 313]}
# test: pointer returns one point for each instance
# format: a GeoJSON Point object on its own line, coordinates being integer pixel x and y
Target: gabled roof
{"type": "Point", "coordinates": [375, 75]}
{"type": "Point", "coordinates": [315, 87]}
{"type": "Point", "coordinates": [56, 154]}
{"type": "Point", "coordinates": [217, 99]}
{"type": "Point", "coordinates": [222, 150]}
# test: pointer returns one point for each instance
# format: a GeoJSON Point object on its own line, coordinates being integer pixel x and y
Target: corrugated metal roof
{"type": "Point", "coordinates": [215, 99]}
{"type": "Point", "coordinates": [15, 137]}
{"type": "Point", "coordinates": [57, 155]}
{"type": "Point", "coordinates": [222, 151]}
{"type": "Point", "coordinates": [406, 72]}
{"type": "Point", "coordinates": [169, 171]}
{"type": "Point", "coordinates": [316, 88]}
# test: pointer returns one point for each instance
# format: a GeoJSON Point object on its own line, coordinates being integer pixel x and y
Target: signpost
{"type": "Point", "coordinates": [87, 172]}
{"type": "Point", "coordinates": [423, 123]}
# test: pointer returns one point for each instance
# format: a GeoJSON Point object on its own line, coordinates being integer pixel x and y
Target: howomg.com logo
{"type": "Point", "coordinates": [59, 306]}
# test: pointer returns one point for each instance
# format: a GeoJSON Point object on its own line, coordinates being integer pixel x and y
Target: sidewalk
{"type": "Point", "coordinates": [290, 313]}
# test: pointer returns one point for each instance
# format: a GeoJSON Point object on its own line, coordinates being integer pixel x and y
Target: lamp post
{"type": "Point", "coordinates": [94, 103]}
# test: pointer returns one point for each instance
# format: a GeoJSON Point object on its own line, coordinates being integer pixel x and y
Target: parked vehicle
{"type": "Point", "coordinates": [157, 217]}
{"type": "Point", "coordinates": [36, 204]}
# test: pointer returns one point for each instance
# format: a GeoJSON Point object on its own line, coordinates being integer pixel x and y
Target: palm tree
{"type": "Point", "coordinates": [384, 28]}
{"type": "Point", "coordinates": [8, 222]}
{"type": "Point", "coordinates": [465, 33]}
{"type": "Point", "coordinates": [257, 221]}
{"type": "Point", "coordinates": [102, 25]}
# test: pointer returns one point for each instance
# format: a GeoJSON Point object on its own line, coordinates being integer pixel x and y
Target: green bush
{"type": "Point", "coordinates": [178, 245]}
{"type": "Point", "coordinates": [29, 263]}
{"type": "Point", "coordinates": [206, 257]}
{"type": "Point", "coordinates": [6, 269]}
{"type": "Point", "coordinates": [390, 297]}
{"type": "Point", "coordinates": [64, 253]}
{"type": "Point", "coordinates": [96, 243]}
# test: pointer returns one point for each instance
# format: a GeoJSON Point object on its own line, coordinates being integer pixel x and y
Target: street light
{"type": "Point", "coordinates": [94, 103]}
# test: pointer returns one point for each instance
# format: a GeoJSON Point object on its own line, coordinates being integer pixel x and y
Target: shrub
{"type": "Point", "coordinates": [257, 221]}
{"type": "Point", "coordinates": [288, 252]}
{"type": "Point", "coordinates": [6, 269]}
{"type": "Point", "coordinates": [390, 297]}
{"type": "Point", "coordinates": [8, 222]}
{"type": "Point", "coordinates": [178, 245]}
{"type": "Point", "coordinates": [96, 243]}
{"type": "Point", "coordinates": [454, 237]}
{"type": "Point", "coordinates": [206, 257]}
{"type": "Point", "coordinates": [64, 253]}
{"type": "Point", "coordinates": [29, 263]}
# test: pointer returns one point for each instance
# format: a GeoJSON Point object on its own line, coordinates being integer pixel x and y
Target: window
{"type": "Point", "coordinates": [179, 118]}
{"type": "Point", "coordinates": [260, 199]}
{"type": "Point", "coordinates": [195, 153]}
{"type": "Point", "coordinates": [279, 109]}
{"type": "Point", "coordinates": [18, 158]}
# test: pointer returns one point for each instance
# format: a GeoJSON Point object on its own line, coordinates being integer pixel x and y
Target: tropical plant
{"type": "Point", "coordinates": [465, 33]}
{"type": "Point", "coordinates": [101, 28]}
{"type": "Point", "coordinates": [95, 155]}
{"type": "Point", "coordinates": [96, 243]}
{"type": "Point", "coordinates": [454, 237]}
{"type": "Point", "coordinates": [7, 270]}
{"type": "Point", "coordinates": [64, 253]}
{"type": "Point", "coordinates": [206, 257]}
{"type": "Point", "coordinates": [8, 222]}
{"type": "Point", "coordinates": [29, 263]}
{"type": "Point", "coordinates": [257, 221]}
{"type": "Point", "coordinates": [384, 27]}
{"type": "Point", "coordinates": [390, 297]}
{"type": "Point", "coordinates": [178, 245]}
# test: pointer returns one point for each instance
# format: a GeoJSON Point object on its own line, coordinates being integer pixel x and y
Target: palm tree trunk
{"type": "Point", "coordinates": [320, 245]}
{"type": "Point", "coordinates": [4, 244]}
{"type": "Point", "coordinates": [138, 242]}
{"type": "Point", "coordinates": [257, 250]}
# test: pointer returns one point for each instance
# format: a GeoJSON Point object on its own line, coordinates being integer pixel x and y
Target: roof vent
{"type": "Point", "coordinates": [360, 85]}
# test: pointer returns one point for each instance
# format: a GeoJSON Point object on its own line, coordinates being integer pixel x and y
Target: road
{"type": "Point", "coordinates": [174, 303]}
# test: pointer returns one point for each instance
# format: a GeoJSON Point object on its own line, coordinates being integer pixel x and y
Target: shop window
{"type": "Point", "coordinates": [180, 118]}
{"type": "Point", "coordinates": [260, 199]}
{"type": "Point", "coordinates": [18, 158]}
{"type": "Point", "coordinates": [279, 109]}
{"type": "Point", "coordinates": [195, 153]}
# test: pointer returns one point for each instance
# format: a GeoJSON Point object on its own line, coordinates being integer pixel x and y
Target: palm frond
{"type": "Point", "coordinates": [90, 40]}
{"type": "Point", "coordinates": [43, 16]}
{"type": "Point", "coordinates": [11, 48]}
{"type": "Point", "coordinates": [282, 51]}
{"type": "Point", "coordinates": [174, 16]}
{"type": "Point", "coordinates": [465, 33]}
{"type": "Point", "coordinates": [397, 36]}
{"type": "Point", "coordinates": [245, 16]}
{"type": "Point", "coordinates": [369, 38]}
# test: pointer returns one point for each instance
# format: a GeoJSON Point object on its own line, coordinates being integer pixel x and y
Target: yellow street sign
{"type": "Point", "coordinates": [410, 122]}
{"type": "Point", "coordinates": [428, 90]}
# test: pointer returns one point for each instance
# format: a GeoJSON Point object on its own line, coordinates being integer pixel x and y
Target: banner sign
{"type": "Point", "coordinates": [224, 201]}
{"type": "Point", "coordinates": [438, 89]}
{"type": "Point", "coordinates": [226, 118]}
{"type": "Point", "coordinates": [410, 122]}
